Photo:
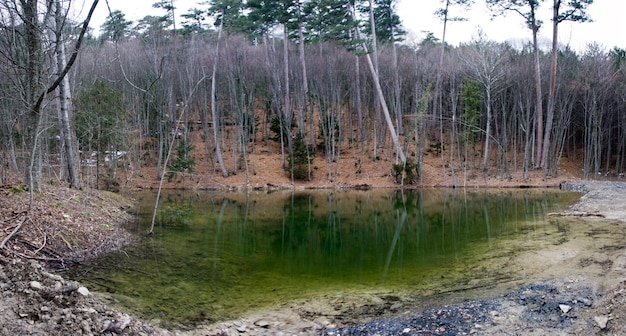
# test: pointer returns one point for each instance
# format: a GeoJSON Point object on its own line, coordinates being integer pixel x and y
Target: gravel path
{"type": "Point", "coordinates": [605, 197]}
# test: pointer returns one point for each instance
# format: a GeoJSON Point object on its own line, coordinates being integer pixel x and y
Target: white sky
{"type": "Point", "coordinates": [418, 17]}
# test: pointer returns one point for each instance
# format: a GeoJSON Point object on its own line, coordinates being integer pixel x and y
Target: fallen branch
{"type": "Point", "coordinates": [575, 214]}
{"type": "Point", "coordinates": [44, 241]}
{"type": "Point", "coordinates": [69, 246]}
{"type": "Point", "coordinates": [24, 256]}
{"type": "Point", "coordinates": [17, 228]}
{"type": "Point", "coordinates": [43, 249]}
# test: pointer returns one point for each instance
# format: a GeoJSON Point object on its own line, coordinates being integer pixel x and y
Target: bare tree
{"type": "Point", "coordinates": [383, 102]}
{"type": "Point", "coordinates": [573, 11]}
{"type": "Point", "coordinates": [36, 84]}
{"type": "Point", "coordinates": [218, 149]}
{"type": "Point", "coordinates": [68, 137]}
{"type": "Point", "coordinates": [445, 16]}
{"type": "Point", "coordinates": [528, 10]}
{"type": "Point", "coordinates": [485, 63]}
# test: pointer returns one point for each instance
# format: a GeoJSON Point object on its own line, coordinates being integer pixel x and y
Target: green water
{"type": "Point", "coordinates": [214, 256]}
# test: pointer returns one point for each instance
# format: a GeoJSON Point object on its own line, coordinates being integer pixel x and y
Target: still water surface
{"type": "Point", "coordinates": [218, 255]}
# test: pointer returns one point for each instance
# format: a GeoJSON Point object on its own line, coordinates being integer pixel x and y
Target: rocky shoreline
{"type": "Point", "coordinates": [36, 302]}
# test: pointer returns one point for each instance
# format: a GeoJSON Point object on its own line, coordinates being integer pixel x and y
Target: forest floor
{"type": "Point", "coordinates": [351, 168]}
{"type": "Point", "coordinates": [573, 288]}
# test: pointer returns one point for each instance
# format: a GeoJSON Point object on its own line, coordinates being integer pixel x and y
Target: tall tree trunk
{"type": "Point", "coordinates": [32, 173]}
{"type": "Point", "coordinates": [218, 149]}
{"type": "Point", "coordinates": [36, 92]}
{"type": "Point", "coordinates": [381, 98]}
{"type": "Point", "coordinates": [396, 86]}
{"type": "Point", "coordinates": [204, 119]}
{"type": "Point", "coordinates": [538, 93]}
{"type": "Point", "coordinates": [287, 115]}
{"type": "Point", "coordinates": [358, 107]}
{"type": "Point", "coordinates": [383, 104]}
{"type": "Point", "coordinates": [305, 96]}
{"type": "Point", "coordinates": [305, 80]}
{"type": "Point", "coordinates": [438, 103]}
{"type": "Point", "coordinates": [64, 103]}
{"type": "Point", "coordinates": [378, 131]}
{"type": "Point", "coordinates": [552, 88]}
{"type": "Point", "coordinates": [359, 110]}
{"type": "Point", "coordinates": [487, 130]}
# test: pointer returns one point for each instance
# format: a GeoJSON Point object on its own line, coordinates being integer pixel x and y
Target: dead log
{"type": "Point", "coordinates": [576, 214]}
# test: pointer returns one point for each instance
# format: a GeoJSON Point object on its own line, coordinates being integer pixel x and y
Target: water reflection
{"type": "Point", "coordinates": [220, 254]}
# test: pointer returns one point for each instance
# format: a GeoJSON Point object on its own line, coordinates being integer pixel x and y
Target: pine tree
{"type": "Point", "coordinates": [115, 27]}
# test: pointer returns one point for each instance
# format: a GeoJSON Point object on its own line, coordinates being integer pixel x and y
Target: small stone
{"type": "Point", "coordinates": [86, 327]}
{"type": "Point", "coordinates": [322, 321]}
{"type": "Point", "coordinates": [262, 324]}
{"type": "Point", "coordinates": [148, 329]}
{"type": "Point", "coordinates": [36, 285]}
{"type": "Point", "coordinates": [241, 327]}
{"type": "Point", "coordinates": [565, 308]}
{"type": "Point", "coordinates": [601, 321]}
{"type": "Point", "coordinates": [57, 285]}
{"type": "Point", "coordinates": [54, 277]}
{"type": "Point", "coordinates": [395, 306]}
{"type": "Point", "coordinates": [106, 325]}
{"type": "Point", "coordinates": [87, 310]}
{"type": "Point", "coordinates": [83, 291]}
{"type": "Point", "coordinates": [406, 330]}
{"type": "Point", "coordinates": [123, 322]}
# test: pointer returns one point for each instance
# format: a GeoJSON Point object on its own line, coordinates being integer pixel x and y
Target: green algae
{"type": "Point", "coordinates": [215, 256]}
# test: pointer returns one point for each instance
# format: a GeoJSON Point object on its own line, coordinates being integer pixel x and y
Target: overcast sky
{"type": "Point", "coordinates": [417, 17]}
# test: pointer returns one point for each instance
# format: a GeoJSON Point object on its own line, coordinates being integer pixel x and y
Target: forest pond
{"type": "Point", "coordinates": [215, 256]}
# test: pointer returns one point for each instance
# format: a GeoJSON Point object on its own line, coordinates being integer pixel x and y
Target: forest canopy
{"type": "Point", "coordinates": [321, 78]}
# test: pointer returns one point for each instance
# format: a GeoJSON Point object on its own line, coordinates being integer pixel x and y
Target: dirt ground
{"type": "Point", "coordinates": [353, 167]}
{"type": "Point", "coordinates": [572, 288]}
{"type": "Point", "coordinates": [63, 226]}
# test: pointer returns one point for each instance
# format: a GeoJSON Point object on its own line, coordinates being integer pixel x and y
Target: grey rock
{"type": "Point", "coordinates": [262, 324]}
{"type": "Point", "coordinates": [395, 306]}
{"type": "Point", "coordinates": [36, 285]}
{"type": "Point", "coordinates": [83, 291]}
{"type": "Point", "coordinates": [240, 326]}
{"type": "Point", "coordinates": [601, 321]}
